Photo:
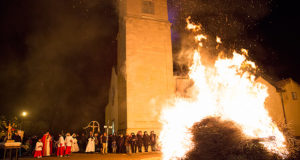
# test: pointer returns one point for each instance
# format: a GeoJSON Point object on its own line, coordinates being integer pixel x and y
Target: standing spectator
{"type": "Point", "coordinates": [139, 141]}
{"type": "Point", "coordinates": [104, 141]}
{"type": "Point", "coordinates": [17, 138]}
{"type": "Point", "coordinates": [101, 143]}
{"type": "Point", "coordinates": [127, 142]}
{"type": "Point", "coordinates": [109, 143]}
{"type": "Point", "coordinates": [97, 148]}
{"type": "Point", "coordinates": [113, 144]}
{"type": "Point", "coordinates": [26, 146]}
{"type": "Point", "coordinates": [120, 143]}
{"type": "Point", "coordinates": [146, 140]}
{"type": "Point", "coordinates": [114, 140]}
{"type": "Point", "coordinates": [60, 146]}
{"type": "Point", "coordinates": [75, 147]}
{"type": "Point", "coordinates": [133, 143]}
{"type": "Point", "coordinates": [82, 142]}
{"type": "Point", "coordinates": [38, 149]}
{"type": "Point", "coordinates": [55, 143]}
{"type": "Point", "coordinates": [33, 141]}
{"type": "Point", "coordinates": [153, 141]}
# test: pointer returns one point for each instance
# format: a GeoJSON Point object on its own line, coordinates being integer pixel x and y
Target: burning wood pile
{"type": "Point", "coordinates": [225, 117]}
{"type": "Point", "coordinates": [222, 139]}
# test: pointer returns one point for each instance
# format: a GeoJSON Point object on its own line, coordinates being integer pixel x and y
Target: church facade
{"type": "Point", "coordinates": [143, 78]}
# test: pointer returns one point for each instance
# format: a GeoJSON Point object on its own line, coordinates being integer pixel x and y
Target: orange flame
{"type": "Point", "coordinates": [224, 90]}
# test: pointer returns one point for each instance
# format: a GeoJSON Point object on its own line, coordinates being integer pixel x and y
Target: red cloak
{"type": "Point", "coordinates": [45, 146]}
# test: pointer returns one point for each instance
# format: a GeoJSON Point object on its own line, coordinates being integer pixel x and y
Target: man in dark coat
{"type": "Point", "coordinates": [16, 137]}
{"type": "Point", "coordinates": [33, 141]}
{"type": "Point", "coordinates": [153, 141]}
{"type": "Point", "coordinates": [101, 143]}
{"type": "Point", "coordinates": [97, 143]}
{"type": "Point", "coordinates": [82, 141]}
{"type": "Point", "coordinates": [112, 143]}
{"type": "Point", "coordinates": [127, 142]}
{"type": "Point", "coordinates": [139, 140]}
{"type": "Point", "coordinates": [133, 143]}
{"type": "Point", "coordinates": [146, 140]}
{"type": "Point", "coordinates": [120, 143]}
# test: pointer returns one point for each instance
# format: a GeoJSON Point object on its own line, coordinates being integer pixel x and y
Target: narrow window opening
{"type": "Point", "coordinates": [294, 96]}
{"type": "Point", "coordinates": [148, 7]}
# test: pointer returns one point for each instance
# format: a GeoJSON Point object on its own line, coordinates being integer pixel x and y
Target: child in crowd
{"type": "Point", "coordinates": [38, 149]}
{"type": "Point", "coordinates": [68, 142]}
{"type": "Point", "coordinates": [60, 146]}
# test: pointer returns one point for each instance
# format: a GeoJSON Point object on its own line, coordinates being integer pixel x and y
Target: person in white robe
{"type": "Point", "coordinates": [90, 147]}
{"type": "Point", "coordinates": [60, 146]}
{"type": "Point", "coordinates": [68, 142]}
{"type": "Point", "coordinates": [38, 149]}
{"type": "Point", "coordinates": [75, 147]}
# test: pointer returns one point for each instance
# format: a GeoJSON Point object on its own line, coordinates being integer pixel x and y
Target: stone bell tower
{"type": "Point", "coordinates": [144, 66]}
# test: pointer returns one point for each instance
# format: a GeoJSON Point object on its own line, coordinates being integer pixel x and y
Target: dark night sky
{"type": "Point", "coordinates": [56, 56]}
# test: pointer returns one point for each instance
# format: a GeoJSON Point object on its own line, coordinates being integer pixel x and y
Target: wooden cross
{"type": "Point", "coordinates": [93, 125]}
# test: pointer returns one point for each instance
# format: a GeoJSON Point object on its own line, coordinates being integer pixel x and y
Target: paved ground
{"type": "Point", "coordinates": [97, 156]}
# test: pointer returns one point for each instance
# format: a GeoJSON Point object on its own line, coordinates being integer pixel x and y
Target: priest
{"type": "Point", "coordinates": [47, 144]}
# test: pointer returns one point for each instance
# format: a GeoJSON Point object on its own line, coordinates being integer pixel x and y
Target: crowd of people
{"type": "Point", "coordinates": [64, 145]}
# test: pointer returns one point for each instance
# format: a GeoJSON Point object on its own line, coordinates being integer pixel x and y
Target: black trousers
{"type": "Point", "coordinates": [82, 147]}
{"type": "Point", "coordinates": [146, 147]}
{"type": "Point", "coordinates": [140, 147]}
{"type": "Point", "coordinates": [133, 147]}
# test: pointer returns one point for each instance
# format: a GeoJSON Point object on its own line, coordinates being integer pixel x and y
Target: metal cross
{"type": "Point", "coordinates": [107, 127]}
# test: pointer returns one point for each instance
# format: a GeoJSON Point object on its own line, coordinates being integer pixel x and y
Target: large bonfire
{"type": "Point", "coordinates": [226, 90]}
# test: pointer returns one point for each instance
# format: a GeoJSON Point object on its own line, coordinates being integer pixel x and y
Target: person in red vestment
{"type": "Point", "coordinates": [47, 144]}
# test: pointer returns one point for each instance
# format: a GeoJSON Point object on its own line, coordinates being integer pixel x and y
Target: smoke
{"type": "Point", "coordinates": [232, 20]}
{"type": "Point", "coordinates": [70, 49]}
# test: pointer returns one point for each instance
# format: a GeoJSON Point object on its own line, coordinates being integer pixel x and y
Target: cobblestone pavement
{"type": "Point", "coordinates": [97, 156]}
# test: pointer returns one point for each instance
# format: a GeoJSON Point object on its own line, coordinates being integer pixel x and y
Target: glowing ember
{"type": "Point", "coordinates": [218, 40]}
{"type": "Point", "coordinates": [192, 26]}
{"type": "Point", "coordinates": [200, 37]}
{"type": "Point", "coordinates": [226, 90]}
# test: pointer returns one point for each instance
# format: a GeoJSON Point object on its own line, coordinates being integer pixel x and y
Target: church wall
{"type": "Point", "coordinates": [149, 71]}
{"type": "Point", "coordinates": [111, 110]}
{"type": "Point", "coordinates": [273, 102]}
{"type": "Point", "coordinates": [122, 74]}
{"type": "Point", "coordinates": [146, 79]}
{"type": "Point", "coordinates": [291, 104]}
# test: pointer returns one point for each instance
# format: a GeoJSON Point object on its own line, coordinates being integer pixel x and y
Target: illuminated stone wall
{"type": "Point", "coordinates": [273, 102]}
{"type": "Point", "coordinates": [111, 110]}
{"type": "Point", "coordinates": [290, 94]}
{"type": "Point", "coordinates": [145, 66]}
